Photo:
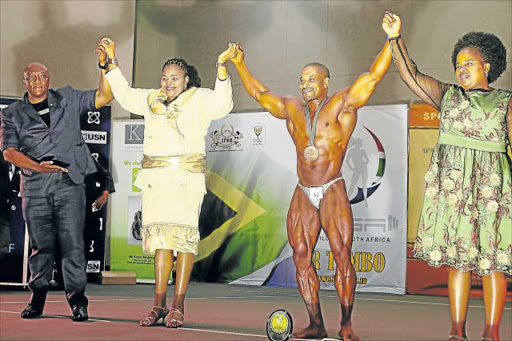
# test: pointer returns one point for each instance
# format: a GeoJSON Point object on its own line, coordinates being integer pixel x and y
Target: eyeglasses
{"type": "Point", "coordinates": [31, 77]}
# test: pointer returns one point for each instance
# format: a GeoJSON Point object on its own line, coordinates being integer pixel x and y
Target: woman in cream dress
{"type": "Point", "coordinates": [172, 177]}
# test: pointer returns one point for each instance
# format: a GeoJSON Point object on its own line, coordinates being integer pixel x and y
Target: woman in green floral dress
{"type": "Point", "coordinates": [466, 221]}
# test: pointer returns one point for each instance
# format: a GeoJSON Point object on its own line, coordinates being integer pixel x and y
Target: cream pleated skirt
{"type": "Point", "coordinates": [171, 204]}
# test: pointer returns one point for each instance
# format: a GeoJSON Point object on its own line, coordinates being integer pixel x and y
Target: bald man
{"type": "Point", "coordinates": [321, 127]}
{"type": "Point", "coordinates": [41, 134]}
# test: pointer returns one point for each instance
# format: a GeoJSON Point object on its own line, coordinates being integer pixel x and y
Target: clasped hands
{"type": "Point", "coordinates": [105, 49]}
{"type": "Point", "coordinates": [391, 24]}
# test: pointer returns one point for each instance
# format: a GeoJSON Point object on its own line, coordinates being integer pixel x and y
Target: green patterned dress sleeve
{"type": "Point", "coordinates": [466, 220]}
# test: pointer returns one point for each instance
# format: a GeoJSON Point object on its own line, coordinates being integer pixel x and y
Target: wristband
{"type": "Point", "coordinates": [394, 38]}
{"type": "Point", "coordinates": [220, 64]}
{"type": "Point", "coordinates": [104, 66]}
{"type": "Point", "coordinates": [112, 61]}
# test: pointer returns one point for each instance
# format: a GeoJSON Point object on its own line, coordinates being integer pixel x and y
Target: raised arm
{"type": "Point", "coordinates": [268, 100]}
{"type": "Point", "coordinates": [425, 87]}
{"type": "Point", "coordinates": [104, 94]}
{"type": "Point", "coordinates": [131, 99]}
{"type": "Point", "coordinates": [363, 87]}
{"type": "Point", "coordinates": [219, 102]}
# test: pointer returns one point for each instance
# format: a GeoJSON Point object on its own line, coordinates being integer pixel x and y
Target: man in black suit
{"type": "Point", "coordinates": [41, 135]}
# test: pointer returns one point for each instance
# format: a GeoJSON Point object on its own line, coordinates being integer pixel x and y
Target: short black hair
{"type": "Point", "coordinates": [320, 66]}
{"type": "Point", "coordinates": [190, 71]}
{"type": "Point", "coordinates": [490, 47]}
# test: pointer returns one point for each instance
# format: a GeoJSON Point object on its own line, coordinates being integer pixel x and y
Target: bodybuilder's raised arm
{"type": "Point", "coordinates": [257, 90]}
{"type": "Point", "coordinates": [365, 84]}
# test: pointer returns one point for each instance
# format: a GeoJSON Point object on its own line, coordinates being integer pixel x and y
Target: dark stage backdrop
{"type": "Point", "coordinates": [12, 225]}
{"type": "Point", "coordinates": [96, 133]}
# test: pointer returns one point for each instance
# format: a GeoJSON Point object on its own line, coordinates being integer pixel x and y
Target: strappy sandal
{"type": "Point", "coordinates": [458, 337]}
{"type": "Point", "coordinates": [155, 314]}
{"type": "Point", "coordinates": [485, 338]}
{"type": "Point", "coordinates": [171, 322]}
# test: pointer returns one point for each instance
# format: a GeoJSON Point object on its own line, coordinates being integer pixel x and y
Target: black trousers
{"type": "Point", "coordinates": [60, 214]}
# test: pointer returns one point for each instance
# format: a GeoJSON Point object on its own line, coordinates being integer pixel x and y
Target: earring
{"type": "Point", "coordinates": [486, 74]}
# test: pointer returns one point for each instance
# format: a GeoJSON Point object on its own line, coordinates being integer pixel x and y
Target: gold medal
{"type": "Point", "coordinates": [311, 153]}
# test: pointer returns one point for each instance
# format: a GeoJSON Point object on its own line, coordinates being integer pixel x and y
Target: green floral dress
{"type": "Point", "coordinates": [466, 220]}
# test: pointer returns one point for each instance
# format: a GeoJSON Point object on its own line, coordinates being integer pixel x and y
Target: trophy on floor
{"type": "Point", "coordinates": [279, 325]}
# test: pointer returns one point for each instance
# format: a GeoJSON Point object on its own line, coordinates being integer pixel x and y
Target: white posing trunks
{"type": "Point", "coordinates": [316, 194]}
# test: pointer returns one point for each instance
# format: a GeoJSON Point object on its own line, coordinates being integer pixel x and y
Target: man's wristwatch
{"type": "Point", "coordinates": [112, 61]}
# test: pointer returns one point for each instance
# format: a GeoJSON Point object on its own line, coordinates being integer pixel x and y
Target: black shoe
{"type": "Point", "coordinates": [31, 311]}
{"type": "Point", "coordinates": [79, 313]}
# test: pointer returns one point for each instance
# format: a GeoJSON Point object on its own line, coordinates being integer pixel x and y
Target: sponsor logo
{"type": "Point", "coordinates": [94, 137]}
{"type": "Point", "coordinates": [259, 136]}
{"type": "Point", "coordinates": [371, 225]}
{"type": "Point", "coordinates": [133, 134]}
{"type": "Point", "coordinates": [365, 155]}
{"type": "Point", "coordinates": [93, 266]}
{"type": "Point", "coordinates": [226, 139]}
{"type": "Point", "coordinates": [93, 117]}
{"type": "Point", "coordinates": [135, 172]}
{"type": "Point", "coordinates": [376, 224]}
{"type": "Point", "coordinates": [95, 156]}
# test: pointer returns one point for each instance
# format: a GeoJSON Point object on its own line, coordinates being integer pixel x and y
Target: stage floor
{"type": "Point", "coordinates": [226, 312]}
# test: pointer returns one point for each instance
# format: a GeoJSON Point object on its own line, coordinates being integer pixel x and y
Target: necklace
{"type": "Point", "coordinates": [311, 152]}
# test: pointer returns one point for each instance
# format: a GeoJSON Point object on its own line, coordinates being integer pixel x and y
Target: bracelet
{"type": "Point", "coordinates": [394, 38]}
{"type": "Point", "coordinates": [112, 61]}
{"type": "Point", "coordinates": [220, 64]}
{"type": "Point", "coordinates": [104, 66]}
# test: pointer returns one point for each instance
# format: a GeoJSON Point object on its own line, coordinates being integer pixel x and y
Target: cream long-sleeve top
{"type": "Point", "coordinates": [195, 108]}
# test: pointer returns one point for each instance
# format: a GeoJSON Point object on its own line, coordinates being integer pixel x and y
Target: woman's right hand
{"type": "Point", "coordinates": [391, 24]}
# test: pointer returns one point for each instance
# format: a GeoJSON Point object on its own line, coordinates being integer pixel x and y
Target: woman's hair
{"type": "Point", "coordinates": [190, 71]}
{"type": "Point", "coordinates": [490, 47]}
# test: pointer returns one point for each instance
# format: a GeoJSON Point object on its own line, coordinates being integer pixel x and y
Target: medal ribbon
{"type": "Point", "coordinates": [312, 131]}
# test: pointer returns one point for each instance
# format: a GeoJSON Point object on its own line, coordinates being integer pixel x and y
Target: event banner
{"type": "Point", "coordinates": [251, 178]}
{"type": "Point", "coordinates": [96, 131]}
{"type": "Point", "coordinates": [126, 202]}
